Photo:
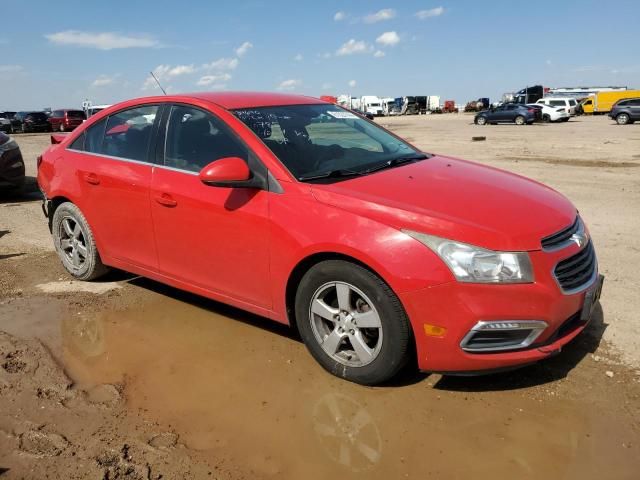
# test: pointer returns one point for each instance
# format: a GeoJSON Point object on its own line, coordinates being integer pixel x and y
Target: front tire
{"type": "Point", "coordinates": [352, 322]}
{"type": "Point", "coordinates": [481, 121]}
{"type": "Point", "coordinates": [546, 118]}
{"type": "Point", "coordinates": [74, 243]}
{"type": "Point", "coordinates": [622, 119]}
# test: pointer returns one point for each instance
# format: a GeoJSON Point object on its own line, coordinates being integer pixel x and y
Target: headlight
{"type": "Point", "coordinates": [472, 264]}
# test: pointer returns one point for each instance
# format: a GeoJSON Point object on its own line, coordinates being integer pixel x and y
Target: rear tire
{"type": "Point", "coordinates": [61, 127]}
{"type": "Point", "coordinates": [334, 302]}
{"type": "Point", "coordinates": [622, 119]}
{"type": "Point", "coordinates": [74, 243]}
{"type": "Point", "coordinates": [546, 118]}
{"type": "Point", "coordinates": [481, 121]}
{"type": "Point", "coordinates": [520, 120]}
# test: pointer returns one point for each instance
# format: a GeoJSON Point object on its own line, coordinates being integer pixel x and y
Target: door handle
{"type": "Point", "coordinates": [92, 178]}
{"type": "Point", "coordinates": [166, 200]}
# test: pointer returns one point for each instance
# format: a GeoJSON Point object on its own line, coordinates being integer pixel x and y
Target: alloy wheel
{"type": "Point", "coordinates": [73, 243]}
{"type": "Point", "coordinates": [346, 324]}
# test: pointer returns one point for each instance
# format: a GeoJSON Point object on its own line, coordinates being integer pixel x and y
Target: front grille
{"type": "Point", "coordinates": [576, 271]}
{"type": "Point", "coordinates": [560, 238]}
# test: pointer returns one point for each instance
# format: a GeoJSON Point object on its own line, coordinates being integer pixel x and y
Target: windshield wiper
{"type": "Point", "coordinates": [341, 172]}
{"type": "Point", "coordinates": [394, 162]}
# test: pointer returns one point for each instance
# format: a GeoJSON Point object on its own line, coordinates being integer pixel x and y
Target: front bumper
{"type": "Point", "coordinates": [457, 307]}
{"type": "Point", "coordinates": [12, 171]}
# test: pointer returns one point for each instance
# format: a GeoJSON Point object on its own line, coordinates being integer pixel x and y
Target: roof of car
{"type": "Point", "coordinates": [233, 100]}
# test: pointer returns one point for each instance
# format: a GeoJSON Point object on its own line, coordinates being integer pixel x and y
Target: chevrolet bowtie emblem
{"type": "Point", "coordinates": [580, 238]}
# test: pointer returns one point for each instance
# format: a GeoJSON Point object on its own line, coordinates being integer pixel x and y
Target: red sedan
{"type": "Point", "coordinates": [303, 212]}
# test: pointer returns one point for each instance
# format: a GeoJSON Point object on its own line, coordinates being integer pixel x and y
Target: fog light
{"type": "Point", "coordinates": [488, 336]}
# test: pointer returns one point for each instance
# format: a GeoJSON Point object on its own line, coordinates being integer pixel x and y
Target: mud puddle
{"type": "Point", "coordinates": [237, 387]}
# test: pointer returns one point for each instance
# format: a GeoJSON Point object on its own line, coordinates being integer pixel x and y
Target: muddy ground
{"type": "Point", "coordinates": [127, 378]}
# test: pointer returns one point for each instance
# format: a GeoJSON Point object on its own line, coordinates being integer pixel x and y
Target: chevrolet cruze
{"type": "Point", "coordinates": [308, 214]}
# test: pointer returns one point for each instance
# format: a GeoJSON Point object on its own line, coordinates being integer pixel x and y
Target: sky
{"type": "Point", "coordinates": [58, 54]}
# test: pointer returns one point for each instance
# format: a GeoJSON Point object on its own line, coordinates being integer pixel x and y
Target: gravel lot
{"type": "Point", "coordinates": [126, 378]}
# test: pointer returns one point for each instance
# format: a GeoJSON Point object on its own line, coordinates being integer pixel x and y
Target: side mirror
{"type": "Point", "coordinates": [225, 172]}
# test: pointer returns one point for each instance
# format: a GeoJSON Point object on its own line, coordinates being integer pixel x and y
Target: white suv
{"type": "Point", "coordinates": [569, 103]}
{"type": "Point", "coordinates": [552, 114]}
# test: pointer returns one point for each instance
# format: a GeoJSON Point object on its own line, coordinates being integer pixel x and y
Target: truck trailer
{"type": "Point", "coordinates": [602, 102]}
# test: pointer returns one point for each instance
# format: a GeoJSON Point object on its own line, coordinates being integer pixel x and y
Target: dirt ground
{"type": "Point", "coordinates": [126, 378]}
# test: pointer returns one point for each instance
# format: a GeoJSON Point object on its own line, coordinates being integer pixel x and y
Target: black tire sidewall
{"type": "Point", "coordinates": [622, 115]}
{"type": "Point", "coordinates": [394, 352]}
{"type": "Point", "coordinates": [93, 267]}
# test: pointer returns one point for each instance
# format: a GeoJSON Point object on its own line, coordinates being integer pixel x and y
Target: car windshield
{"type": "Point", "coordinates": [317, 140]}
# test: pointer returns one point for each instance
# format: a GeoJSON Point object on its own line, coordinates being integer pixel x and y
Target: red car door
{"type": "Point", "coordinates": [114, 176]}
{"type": "Point", "coordinates": [214, 238]}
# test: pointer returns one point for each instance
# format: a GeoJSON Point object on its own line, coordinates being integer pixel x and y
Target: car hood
{"type": "Point", "coordinates": [456, 199]}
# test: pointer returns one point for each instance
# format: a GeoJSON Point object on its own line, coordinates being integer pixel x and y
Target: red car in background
{"type": "Point", "coordinates": [303, 212]}
{"type": "Point", "coordinates": [66, 120]}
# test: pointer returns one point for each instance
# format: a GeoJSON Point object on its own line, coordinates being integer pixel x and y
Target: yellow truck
{"type": "Point", "coordinates": [602, 102]}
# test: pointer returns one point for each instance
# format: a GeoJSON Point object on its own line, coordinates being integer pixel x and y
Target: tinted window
{"type": "Point", "coordinates": [128, 133]}
{"type": "Point", "coordinates": [511, 107]}
{"type": "Point", "coordinates": [93, 137]}
{"type": "Point", "coordinates": [78, 143]}
{"type": "Point", "coordinates": [38, 116]}
{"type": "Point", "coordinates": [623, 103]}
{"type": "Point", "coordinates": [75, 114]}
{"type": "Point", "coordinates": [635, 103]}
{"type": "Point", "coordinates": [557, 103]}
{"type": "Point", "coordinates": [196, 138]}
{"type": "Point", "coordinates": [572, 102]}
{"type": "Point", "coordinates": [57, 113]}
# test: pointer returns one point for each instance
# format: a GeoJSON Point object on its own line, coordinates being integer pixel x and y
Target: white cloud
{"type": "Point", "coordinates": [339, 16]}
{"type": "Point", "coordinates": [104, 80]}
{"type": "Point", "coordinates": [166, 73]}
{"type": "Point", "coordinates": [100, 40]}
{"type": "Point", "coordinates": [432, 12]}
{"type": "Point", "coordinates": [210, 80]}
{"type": "Point", "coordinates": [353, 47]}
{"type": "Point", "coordinates": [326, 86]}
{"type": "Point", "coordinates": [11, 68]}
{"type": "Point", "coordinates": [324, 55]}
{"type": "Point", "coordinates": [388, 39]}
{"type": "Point", "coordinates": [380, 15]}
{"type": "Point", "coordinates": [298, 57]}
{"type": "Point", "coordinates": [352, 83]}
{"type": "Point", "coordinates": [222, 64]}
{"type": "Point", "coordinates": [290, 84]}
{"type": "Point", "coordinates": [379, 53]}
{"type": "Point", "coordinates": [244, 48]}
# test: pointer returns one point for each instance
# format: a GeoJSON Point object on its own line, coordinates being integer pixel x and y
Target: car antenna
{"type": "Point", "coordinates": [158, 82]}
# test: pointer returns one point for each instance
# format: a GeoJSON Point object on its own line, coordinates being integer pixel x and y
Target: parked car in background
{"type": "Point", "coordinates": [95, 109]}
{"type": "Point", "coordinates": [551, 114]}
{"type": "Point", "coordinates": [626, 111]}
{"type": "Point", "coordinates": [568, 103]}
{"type": "Point", "coordinates": [5, 122]}
{"type": "Point", "coordinates": [507, 113]}
{"type": "Point", "coordinates": [66, 120]}
{"type": "Point", "coordinates": [11, 164]}
{"type": "Point", "coordinates": [30, 122]}
{"type": "Point", "coordinates": [367, 244]}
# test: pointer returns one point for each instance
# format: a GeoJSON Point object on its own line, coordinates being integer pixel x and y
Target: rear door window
{"type": "Point", "coordinates": [558, 103]}
{"type": "Point", "coordinates": [128, 133]}
{"type": "Point", "coordinates": [75, 114]}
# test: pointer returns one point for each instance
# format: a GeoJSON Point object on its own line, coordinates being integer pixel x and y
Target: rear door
{"type": "Point", "coordinates": [634, 109]}
{"type": "Point", "coordinates": [213, 238]}
{"type": "Point", "coordinates": [114, 169]}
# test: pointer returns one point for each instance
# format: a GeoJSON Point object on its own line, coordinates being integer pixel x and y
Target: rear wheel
{"type": "Point", "coordinates": [520, 120]}
{"type": "Point", "coordinates": [61, 127]}
{"type": "Point", "coordinates": [622, 119]}
{"type": "Point", "coordinates": [352, 322]}
{"type": "Point", "coordinates": [546, 118]}
{"type": "Point", "coordinates": [74, 243]}
{"type": "Point", "coordinates": [481, 121]}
